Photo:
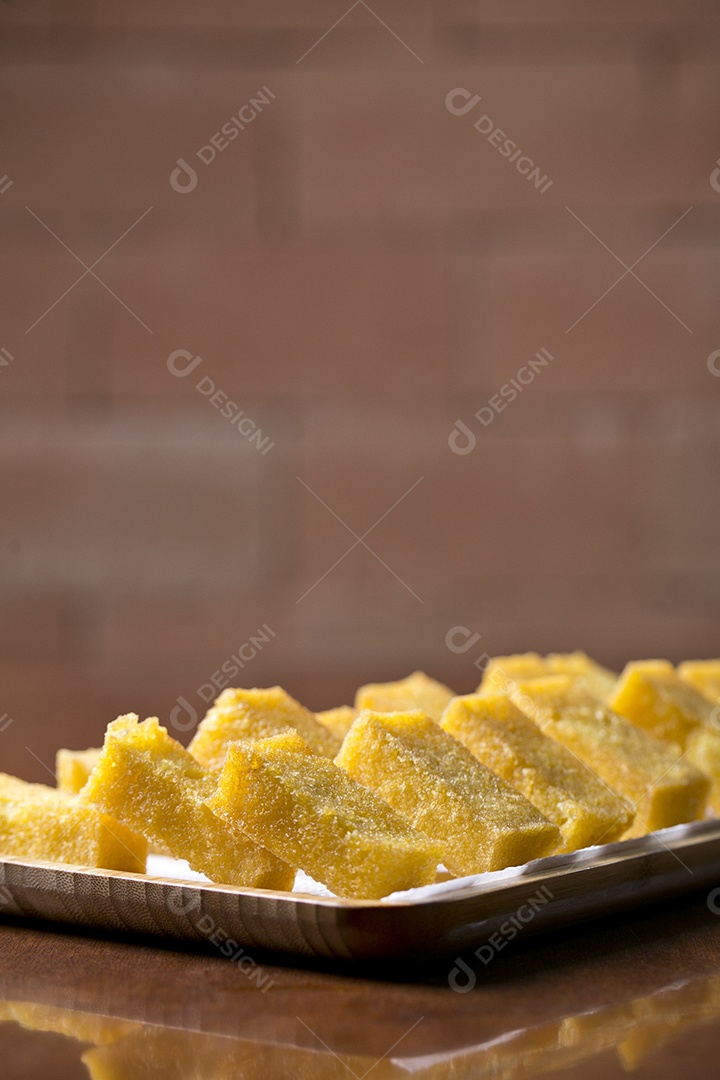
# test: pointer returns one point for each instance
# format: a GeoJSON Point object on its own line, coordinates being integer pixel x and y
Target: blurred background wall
{"type": "Point", "coordinates": [366, 263]}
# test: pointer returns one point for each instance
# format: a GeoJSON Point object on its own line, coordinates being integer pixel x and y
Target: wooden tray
{"type": "Point", "coordinates": [485, 910]}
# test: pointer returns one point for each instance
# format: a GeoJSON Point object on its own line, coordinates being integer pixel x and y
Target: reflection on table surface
{"type": "Point", "coordinates": [116, 1049]}
{"type": "Point", "coordinates": [610, 1003]}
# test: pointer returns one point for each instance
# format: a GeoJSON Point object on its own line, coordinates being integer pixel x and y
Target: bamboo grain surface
{"type": "Point", "coordinates": [440, 919]}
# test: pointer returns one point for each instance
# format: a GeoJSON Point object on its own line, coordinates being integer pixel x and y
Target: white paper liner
{"type": "Point", "coordinates": [178, 869]}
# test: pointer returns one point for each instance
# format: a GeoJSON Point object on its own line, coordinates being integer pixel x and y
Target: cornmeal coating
{"type": "Point", "coordinates": [429, 777]}
{"type": "Point", "coordinates": [311, 813]}
{"type": "Point", "coordinates": [256, 714]}
{"type": "Point", "coordinates": [562, 788]}
{"type": "Point", "coordinates": [586, 674]}
{"type": "Point", "coordinates": [655, 698]}
{"type": "Point", "coordinates": [41, 823]}
{"type": "Point", "coordinates": [150, 782]}
{"type": "Point", "coordinates": [72, 768]}
{"type": "Point", "coordinates": [417, 691]}
{"type": "Point", "coordinates": [663, 789]}
{"type": "Point", "coordinates": [338, 721]}
{"type": "Point", "coordinates": [704, 675]}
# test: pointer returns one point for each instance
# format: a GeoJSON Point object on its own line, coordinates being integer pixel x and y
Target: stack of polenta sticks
{"type": "Point", "coordinates": [550, 754]}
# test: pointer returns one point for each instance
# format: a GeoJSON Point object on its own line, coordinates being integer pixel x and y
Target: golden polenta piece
{"type": "Point", "coordinates": [150, 782]}
{"type": "Point", "coordinates": [72, 768]}
{"type": "Point", "coordinates": [311, 813]}
{"type": "Point", "coordinates": [480, 822]}
{"type": "Point", "coordinates": [566, 791]}
{"type": "Point", "coordinates": [663, 789]}
{"type": "Point", "coordinates": [39, 822]}
{"type": "Point", "coordinates": [256, 714]}
{"type": "Point", "coordinates": [337, 721]}
{"type": "Point", "coordinates": [12, 787]}
{"type": "Point", "coordinates": [585, 673]}
{"type": "Point", "coordinates": [417, 691]}
{"type": "Point", "coordinates": [704, 675]}
{"type": "Point", "coordinates": [703, 751]}
{"type": "Point", "coordinates": [655, 698]}
{"type": "Point", "coordinates": [502, 672]}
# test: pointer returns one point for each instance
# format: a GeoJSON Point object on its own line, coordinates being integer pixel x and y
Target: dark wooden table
{"type": "Point", "coordinates": [639, 993]}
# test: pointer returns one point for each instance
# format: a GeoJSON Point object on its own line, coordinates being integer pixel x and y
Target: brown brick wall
{"type": "Point", "coordinates": [357, 270]}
